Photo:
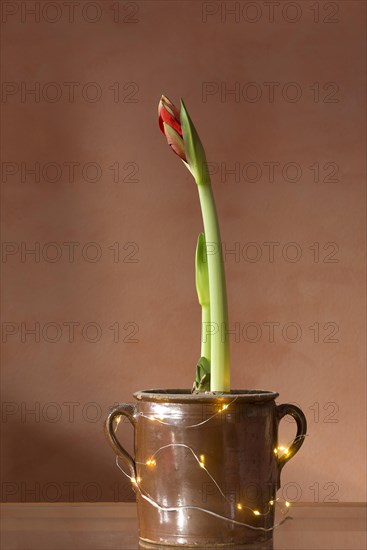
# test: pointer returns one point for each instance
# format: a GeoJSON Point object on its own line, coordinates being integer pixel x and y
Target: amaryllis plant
{"type": "Point", "coordinates": [212, 370]}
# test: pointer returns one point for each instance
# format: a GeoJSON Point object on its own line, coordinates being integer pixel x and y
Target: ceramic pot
{"type": "Point", "coordinates": [206, 467]}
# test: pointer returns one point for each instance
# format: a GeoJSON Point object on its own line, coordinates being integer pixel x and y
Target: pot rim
{"type": "Point", "coordinates": [185, 396]}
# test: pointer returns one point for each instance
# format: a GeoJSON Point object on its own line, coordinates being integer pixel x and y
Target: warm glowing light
{"type": "Point", "coordinates": [224, 407]}
{"type": "Point", "coordinates": [271, 502]}
{"type": "Point", "coordinates": [256, 512]}
{"type": "Point", "coordinates": [202, 458]}
{"type": "Point", "coordinates": [118, 419]}
{"type": "Point", "coordinates": [284, 449]}
{"type": "Point", "coordinates": [133, 481]}
{"type": "Point", "coordinates": [151, 462]}
{"type": "Point", "coordinates": [287, 504]}
{"type": "Point", "coordinates": [156, 417]}
{"type": "Point", "coordinates": [239, 506]}
{"type": "Point", "coordinates": [202, 465]}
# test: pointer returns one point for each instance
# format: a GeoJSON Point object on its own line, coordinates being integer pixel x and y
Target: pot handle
{"type": "Point", "coordinates": [123, 409]}
{"type": "Point", "coordinates": [297, 414]}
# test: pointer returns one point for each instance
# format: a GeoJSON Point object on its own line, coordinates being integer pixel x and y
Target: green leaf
{"type": "Point", "coordinates": [194, 149]}
{"type": "Point", "coordinates": [202, 381]}
{"type": "Point", "coordinates": [201, 271]}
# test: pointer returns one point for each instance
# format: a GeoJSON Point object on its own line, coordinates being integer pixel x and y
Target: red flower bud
{"type": "Point", "coordinates": [170, 125]}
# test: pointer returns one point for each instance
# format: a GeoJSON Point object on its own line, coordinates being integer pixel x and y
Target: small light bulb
{"type": "Point", "coordinates": [256, 512]}
{"type": "Point", "coordinates": [224, 407]}
{"type": "Point", "coordinates": [287, 504]}
{"type": "Point", "coordinates": [150, 462]}
{"type": "Point", "coordinates": [118, 419]}
{"type": "Point", "coordinates": [133, 480]}
{"type": "Point", "coordinates": [138, 479]}
{"type": "Point", "coordinates": [239, 506]}
{"type": "Point", "coordinates": [202, 465]}
{"type": "Point", "coordinates": [284, 450]}
{"type": "Point", "coordinates": [202, 458]}
{"type": "Point", "coordinates": [271, 502]}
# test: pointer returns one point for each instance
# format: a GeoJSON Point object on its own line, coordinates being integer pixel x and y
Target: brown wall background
{"type": "Point", "coordinates": [313, 211]}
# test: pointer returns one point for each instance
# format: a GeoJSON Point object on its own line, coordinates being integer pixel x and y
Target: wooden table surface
{"type": "Point", "coordinates": [114, 526]}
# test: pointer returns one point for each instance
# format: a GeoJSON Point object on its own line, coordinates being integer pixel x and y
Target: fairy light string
{"type": "Point", "coordinates": [151, 462]}
{"type": "Point", "coordinates": [136, 482]}
{"type": "Point", "coordinates": [159, 418]}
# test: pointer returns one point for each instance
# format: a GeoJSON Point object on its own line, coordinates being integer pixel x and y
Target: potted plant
{"type": "Point", "coordinates": [206, 465]}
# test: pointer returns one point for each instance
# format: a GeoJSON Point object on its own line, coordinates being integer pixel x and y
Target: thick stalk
{"type": "Point", "coordinates": [219, 362]}
{"type": "Point", "coordinates": [205, 333]}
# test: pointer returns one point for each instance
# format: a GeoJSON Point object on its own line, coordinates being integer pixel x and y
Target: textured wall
{"type": "Point", "coordinates": [112, 216]}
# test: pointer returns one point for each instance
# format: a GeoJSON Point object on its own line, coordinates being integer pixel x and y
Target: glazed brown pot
{"type": "Point", "coordinates": [206, 468]}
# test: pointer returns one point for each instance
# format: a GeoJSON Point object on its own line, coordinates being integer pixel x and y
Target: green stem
{"type": "Point", "coordinates": [219, 362]}
{"type": "Point", "coordinates": [205, 334]}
